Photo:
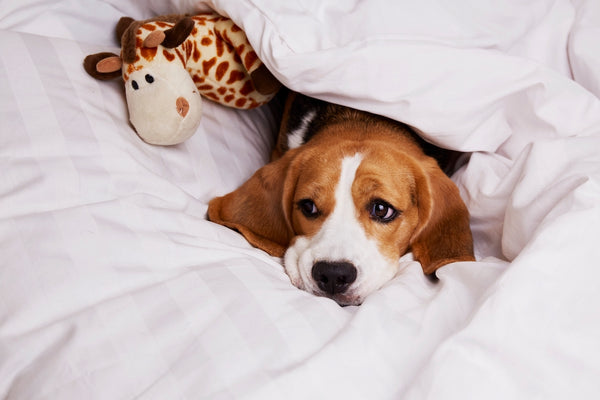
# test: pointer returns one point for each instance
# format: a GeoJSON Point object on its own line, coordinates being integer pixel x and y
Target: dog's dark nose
{"type": "Point", "coordinates": [333, 277]}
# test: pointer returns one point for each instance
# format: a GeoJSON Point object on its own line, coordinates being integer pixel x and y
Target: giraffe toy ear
{"type": "Point", "coordinates": [109, 65]}
{"type": "Point", "coordinates": [103, 66]}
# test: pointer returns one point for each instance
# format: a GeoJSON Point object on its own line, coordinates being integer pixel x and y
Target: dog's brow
{"type": "Point", "coordinates": [311, 191]}
{"type": "Point", "coordinates": [368, 185]}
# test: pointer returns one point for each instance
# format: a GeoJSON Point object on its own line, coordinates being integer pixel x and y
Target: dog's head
{"type": "Point", "coordinates": [343, 211]}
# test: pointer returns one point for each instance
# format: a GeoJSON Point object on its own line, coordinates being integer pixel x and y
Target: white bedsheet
{"type": "Point", "coordinates": [114, 286]}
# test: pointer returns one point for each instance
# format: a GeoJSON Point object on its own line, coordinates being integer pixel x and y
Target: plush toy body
{"type": "Point", "coordinates": [168, 62]}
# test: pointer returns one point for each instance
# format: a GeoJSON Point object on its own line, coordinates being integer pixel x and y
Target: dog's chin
{"type": "Point", "coordinates": [349, 298]}
{"type": "Point", "coordinates": [343, 299]}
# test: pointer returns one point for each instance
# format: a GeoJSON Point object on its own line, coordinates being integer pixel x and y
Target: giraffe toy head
{"type": "Point", "coordinates": [169, 63]}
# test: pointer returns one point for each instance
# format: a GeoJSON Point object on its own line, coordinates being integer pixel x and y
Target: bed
{"type": "Point", "coordinates": [113, 285]}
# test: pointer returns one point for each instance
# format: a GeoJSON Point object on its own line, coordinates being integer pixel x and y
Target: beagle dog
{"type": "Point", "coordinates": [347, 193]}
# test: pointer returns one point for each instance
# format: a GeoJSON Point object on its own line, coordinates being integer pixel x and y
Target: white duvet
{"type": "Point", "coordinates": [114, 286]}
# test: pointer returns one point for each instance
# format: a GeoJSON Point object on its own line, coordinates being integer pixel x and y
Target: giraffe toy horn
{"type": "Point", "coordinates": [172, 37]}
{"type": "Point", "coordinates": [178, 33]}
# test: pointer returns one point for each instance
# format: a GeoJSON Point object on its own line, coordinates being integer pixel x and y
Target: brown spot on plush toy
{"type": "Point", "coordinates": [167, 65]}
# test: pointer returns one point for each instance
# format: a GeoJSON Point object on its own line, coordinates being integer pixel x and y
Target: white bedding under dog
{"type": "Point", "coordinates": [114, 286]}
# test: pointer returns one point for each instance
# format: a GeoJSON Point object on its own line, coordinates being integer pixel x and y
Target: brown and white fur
{"type": "Point", "coordinates": [347, 193]}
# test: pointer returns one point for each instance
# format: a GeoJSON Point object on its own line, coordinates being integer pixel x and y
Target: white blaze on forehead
{"type": "Point", "coordinates": [342, 229]}
{"type": "Point", "coordinates": [341, 238]}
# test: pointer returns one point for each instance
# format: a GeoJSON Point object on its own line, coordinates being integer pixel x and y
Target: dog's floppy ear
{"type": "Point", "coordinates": [443, 234]}
{"type": "Point", "coordinates": [257, 209]}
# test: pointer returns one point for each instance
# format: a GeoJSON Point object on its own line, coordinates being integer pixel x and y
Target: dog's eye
{"type": "Point", "coordinates": [149, 78]}
{"type": "Point", "coordinates": [382, 211]}
{"type": "Point", "coordinates": [308, 208]}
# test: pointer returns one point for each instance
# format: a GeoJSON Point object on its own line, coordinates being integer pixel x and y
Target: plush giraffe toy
{"type": "Point", "coordinates": [168, 62]}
